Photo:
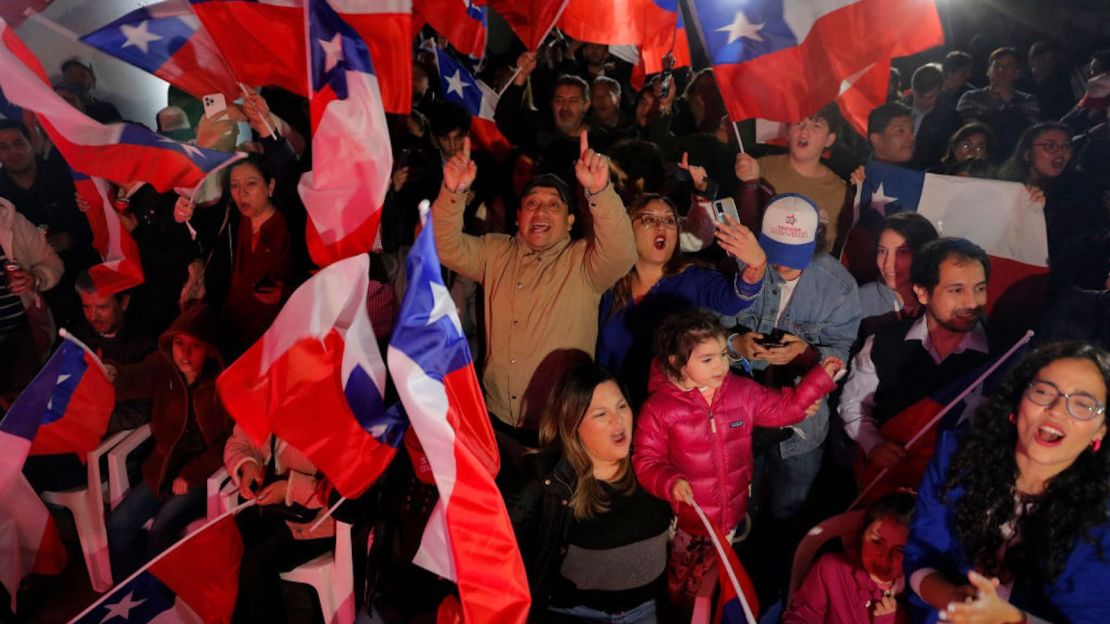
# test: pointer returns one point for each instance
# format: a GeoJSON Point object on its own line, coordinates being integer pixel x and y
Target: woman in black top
{"type": "Point", "coordinates": [593, 541]}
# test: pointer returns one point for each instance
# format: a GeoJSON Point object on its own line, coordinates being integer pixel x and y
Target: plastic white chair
{"type": "Point", "coordinates": [332, 576]}
{"type": "Point", "coordinates": [87, 506]}
{"type": "Point", "coordinates": [118, 480]}
{"type": "Point", "coordinates": [845, 526]}
{"type": "Point", "coordinates": [221, 493]}
{"type": "Point", "coordinates": [703, 602]}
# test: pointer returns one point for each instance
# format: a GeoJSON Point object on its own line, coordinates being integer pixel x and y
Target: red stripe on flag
{"type": "Point", "coordinates": [86, 416]}
{"type": "Point", "coordinates": [262, 43]}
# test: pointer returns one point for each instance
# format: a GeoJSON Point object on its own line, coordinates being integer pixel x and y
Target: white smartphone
{"type": "Point", "coordinates": [726, 206]}
{"type": "Point", "coordinates": [215, 104]}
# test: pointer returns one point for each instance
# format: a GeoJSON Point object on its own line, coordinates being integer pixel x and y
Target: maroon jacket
{"type": "Point", "coordinates": [679, 436]}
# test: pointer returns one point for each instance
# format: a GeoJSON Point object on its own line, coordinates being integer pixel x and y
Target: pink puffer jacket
{"type": "Point", "coordinates": [679, 436]}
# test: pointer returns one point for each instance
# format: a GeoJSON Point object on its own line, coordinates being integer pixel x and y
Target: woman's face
{"type": "Point", "coordinates": [974, 146]}
{"type": "Point", "coordinates": [250, 191]}
{"type": "Point", "coordinates": [881, 549]}
{"type": "Point", "coordinates": [656, 232]}
{"type": "Point", "coordinates": [894, 258]}
{"type": "Point", "coordinates": [1048, 436]}
{"type": "Point", "coordinates": [1050, 153]}
{"type": "Point", "coordinates": [606, 428]}
{"type": "Point", "coordinates": [708, 364]}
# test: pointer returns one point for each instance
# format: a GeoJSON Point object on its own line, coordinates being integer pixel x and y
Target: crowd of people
{"type": "Point", "coordinates": [642, 348]}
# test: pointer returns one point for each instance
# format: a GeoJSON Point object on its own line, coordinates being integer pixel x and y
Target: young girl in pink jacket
{"type": "Point", "coordinates": [693, 440]}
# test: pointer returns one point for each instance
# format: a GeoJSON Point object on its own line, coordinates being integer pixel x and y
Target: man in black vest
{"type": "Point", "coordinates": [904, 363]}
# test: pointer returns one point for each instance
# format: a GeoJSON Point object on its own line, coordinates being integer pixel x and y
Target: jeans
{"type": "Point", "coordinates": [642, 614]}
{"type": "Point", "coordinates": [787, 482]}
{"type": "Point", "coordinates": [129, 544]}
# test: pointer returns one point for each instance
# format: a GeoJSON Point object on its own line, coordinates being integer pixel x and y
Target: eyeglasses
{"type": "Point", "coordinates": [978, 148]}
{"type": "Point", "coordinates": [1051, 147]}
{"type": "Point", "coordinates": [1079, 406]}
{"type": "Point", "coordinates": [649, 221]}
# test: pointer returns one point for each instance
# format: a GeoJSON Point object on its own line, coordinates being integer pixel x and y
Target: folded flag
{"type": "Point", "coordinates": [738, 602]}
{"type": "Point", "coordinates": [29, 538]}
{"type": "Point", "coordinates": [316, 380]}
{"type": "Point", "coordinates": [530, 20]}
{"type": "Point", "coordinates": [195, 580]}
{"type": "Point", "coordinates": [352, 160]}
{"type": "Point", "coordinates": [167, 40]}
{"type": "Point", "coordinates": [121, 268]}
{"type": "Point", "coordinates": [785, 60]}
{"type": "Point", "coordinates": [461, 87]}
{"type": "Point", "coordinates": [461, 22]}
{"type": "Point", "coordinates": [119, 152]}
{"type": "Point", "coordinates": [468, 537]}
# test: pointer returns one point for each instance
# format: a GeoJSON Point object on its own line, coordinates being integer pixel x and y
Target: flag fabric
{"type": "Point", "coordinates": [646, 23]}
{"type": "Point", "coordinates": [167, 40]}
{"type": "Point", "coordinates": [862, 92]}
{"type": "Point", "coordinates": [1000, 217]}
{"type": "Point", "coordinates": [461, 22]}
{"type": "Point", "coordinates": [468, 537]}
{"type": "Point", "coordinates": [785, 60]}
{"type": "Point", "coordinates": [316, 380]}
{"type": "Point", "coordinates": [738, 601]}
{"type": "Point", "coordinates": [352, 160]}
{"type": "Point", "coordinates": [29, 538]}
{"type": "Point", "coordinates": [195, 580]}
{"type": "Point", "coordinates": [461, 87]}
{"type": "Point", "coordinates": [530, 20]}
{"type": "Point", "coordinates": [65, 408]}
{"type": "Point", "coordinates": [387, 29]}
{"type": "Point", "coordinates": [121, 268]}
{"type": "Point", "coordinates": [262, 41]}
{"type": "Point", "coordinates": [119, 152]}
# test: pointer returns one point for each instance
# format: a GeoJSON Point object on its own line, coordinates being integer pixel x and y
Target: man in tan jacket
{"type": "Point", "coordinates": [541, 288]}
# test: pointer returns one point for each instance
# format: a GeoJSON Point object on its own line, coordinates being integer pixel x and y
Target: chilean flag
{"type": "Point", "coordinates": [121, 268]}
{"type": "Point", "coordinates": [195, 580]}
{"type": "Point", "coordinates": [343, 193]}
{"type": "Point", "coordinates": [65, 408]}
{"type": "Point", "coordinates": [468, 537]}
{"type": "Point", "coordinates": [461, 87]}
{"type": "Point", "coordinates": [862, 92]}
{"type": "Point", "coordinates": [261, 41]}
{"type": "Point", "coordinates": [167, 40]}
{"type": "Point", "coordinates": [531, 20]}
{"type": "Point", "coordinates": [461, 22]}
{"type": "Point", "coordinates": [646, 23]}
{"type": "Point", "coordinates": [316, 380]}
{"type": "Point", "coordinates": [738, 602]}
{"type": "Point", "coordinates": [119, 152]}
{"type": "Point", "coordinates": [785, 59]}
{"type": "Point", "coordinates": [386, 27]}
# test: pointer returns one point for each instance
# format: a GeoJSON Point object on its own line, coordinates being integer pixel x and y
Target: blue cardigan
{"type": "Point", "coordinates": [1080, 594]}
{"type": "Point", "coordinates": [624, 339]}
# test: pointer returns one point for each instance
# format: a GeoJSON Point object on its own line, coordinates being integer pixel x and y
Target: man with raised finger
{"type": "Point", "coordinates": [542, 288]}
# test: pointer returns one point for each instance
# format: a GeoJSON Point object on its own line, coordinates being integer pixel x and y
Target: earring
{"type": "Point", "coordinates": [1011, 417]}
{"type": "Point", "coordinates": [1096, 444]}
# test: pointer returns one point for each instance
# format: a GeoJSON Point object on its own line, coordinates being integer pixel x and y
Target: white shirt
{"type": "Point", "coordinates": [786, 292]}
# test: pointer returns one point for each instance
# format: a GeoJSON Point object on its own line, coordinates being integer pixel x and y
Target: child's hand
{"type": "Point", "coordinates": [885, 606]}
{"type": "Point", "coordinates": [832, 366]}
{"type": "Point", "coordinates": [682, 492]}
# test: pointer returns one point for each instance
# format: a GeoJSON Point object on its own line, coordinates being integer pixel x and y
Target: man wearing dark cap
{"type": "Point", "coordinates": [541, 288]}
{"type": "Point", "coordinates": [78, 72]}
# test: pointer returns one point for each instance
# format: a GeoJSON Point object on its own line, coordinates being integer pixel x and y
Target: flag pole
{"type": "Point", "coordinates": [947, 408]}
{"type": "Point", "coordinates": [84, 347]}
{"type": "Point", "coordinates": [265, 122]}
{"type": "Point", "coordinates": [721, 554]}
{"type": "Point", "coordinates": [736, 131]}
{"type": "Point", "coordinates": [327, 514]}
{"type": "Point", "coordinates": [50, 24]}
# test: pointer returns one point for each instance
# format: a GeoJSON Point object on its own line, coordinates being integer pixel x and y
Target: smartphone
{"type": "Point", "coordinates": [265, 282]}
{"type": "Point", "coordinates": [772, 340]}
{"type": "Point", "coordinates": [215, 104]}
{"type": "Point", "coordinates": [726, 206]}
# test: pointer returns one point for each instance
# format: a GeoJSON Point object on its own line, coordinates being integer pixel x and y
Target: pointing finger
{"type": "Point", "coordinates": [466, 147]}
{"type": "Point", "coordinates": [583, 144]}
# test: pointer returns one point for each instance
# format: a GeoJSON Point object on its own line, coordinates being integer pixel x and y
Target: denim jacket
{"type": "Point", "coordinates": [825, 312]}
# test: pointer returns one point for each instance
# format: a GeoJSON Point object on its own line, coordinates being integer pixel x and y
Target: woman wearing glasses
{"type": "Point", "coordinates": [662, 282]}
{"type": "Point", "coordinates": [1013, 521]}
{"type": "Point", "coordinates": [972, 141]}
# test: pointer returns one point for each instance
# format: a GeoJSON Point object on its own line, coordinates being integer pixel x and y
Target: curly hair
{"type": "Point", "coordinates": [681, 333]}
{"type": "Point", "coordinates": [1073, 503]}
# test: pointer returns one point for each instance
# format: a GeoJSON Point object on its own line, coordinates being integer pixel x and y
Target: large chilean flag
{"type": "Point", "coordinates": [121, 268]}
{"type": "Point", "coordinates": [386, 27]}
{"type": "Point", "coordinates": [261, 40]}
{"type": "Point", "coordinates": [119, 152]}
{"type": "Point", "coordinates": [784, 59]}
{"type": "Point", "coordinates": [468, 537]}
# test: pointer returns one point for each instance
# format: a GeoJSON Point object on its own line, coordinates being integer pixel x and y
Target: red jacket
{"type": "Point", "coordinates": [710, 446]}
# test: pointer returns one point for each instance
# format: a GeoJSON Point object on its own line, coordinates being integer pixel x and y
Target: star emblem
{"type": "Point", "coordinates": [850, 81]}
{"type": "Point", "coordinates": [455, 84]}
{"type": "Point", "coordinates": [742, 28]}
{"type": "Point", "coordinates": [61, 380]}
{"type": "Point", "coordinates": [879, 200]}
{"type": "Point", "coordinates": [192, 151]}
{"type": "Point", "coordinates": [122, 608]}
{"type": "Point", "coordinates": [333, 51]}
{"type": "Point", "coordinates": [139, 36]}
{"type": "Point", "coordinates": [444, 306]}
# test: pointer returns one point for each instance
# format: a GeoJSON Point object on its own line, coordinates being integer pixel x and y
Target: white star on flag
{"type": "Point", "coordinates": [879, 199]}
{"type": "Point", "coordinates": [139, 36]}
{"type": "Point", "coordinates": [741, 27]}
{"type": "Point", "coordinates": [444, 306]}
{"type": "Point", "coordinates": [850, 81]}
{"type": "Point", "coordinates": [192, 150]}
{"type": "Point", "coordinates": [122, 608]}
{"type": "Point", "coordinates": [333, 51]}
{"type": "Point", "coordinates": [455, 84]}
{"type": "Point", "coordinates": [61, 380]}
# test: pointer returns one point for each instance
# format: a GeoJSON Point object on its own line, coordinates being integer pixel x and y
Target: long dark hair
{"type": "Point", "coordinates": [559, 432]}
{"type": "Point", "coordinates": [1019, 167]}
{"type": "Point", "coordinates": [1072, 504]}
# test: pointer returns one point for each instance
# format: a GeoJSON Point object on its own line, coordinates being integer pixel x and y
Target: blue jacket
{"type": "Point", "coordinates": [825, 312]}
{"type": "Point", "coordinates": [624, 338]}
{"type": "Point", "coordinates": [1080, 594]}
